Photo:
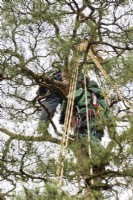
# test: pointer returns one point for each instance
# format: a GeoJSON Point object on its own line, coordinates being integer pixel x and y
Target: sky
{"type": "Point", "coordinates": [30, 129]}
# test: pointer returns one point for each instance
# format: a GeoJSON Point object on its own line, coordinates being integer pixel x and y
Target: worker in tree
{"type": "Point", "coordinates": [97, 109]}
{"type": "Point", "coordinates": [98, 115]}
{"type": "Point", "coordinates": [97, 112]}
{"type": "Point", "coordinates": [53, 98]}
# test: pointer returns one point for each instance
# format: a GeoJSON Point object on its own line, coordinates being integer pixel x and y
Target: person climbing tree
{"type": "Point", "coordinates": [52, 100]}
{"type": "Point", "coordinates": [97, 111]}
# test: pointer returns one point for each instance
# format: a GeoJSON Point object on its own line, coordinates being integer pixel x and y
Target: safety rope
{"type": "Point", "coordinates": [65, 135]}
{"type": "Point", "coordinates": [88, 129]}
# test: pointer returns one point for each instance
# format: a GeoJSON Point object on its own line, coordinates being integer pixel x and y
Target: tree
{"type": "Point", "coordinates": [38, 37]}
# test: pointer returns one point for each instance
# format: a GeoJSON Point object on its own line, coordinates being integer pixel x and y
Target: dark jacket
{"type": "Point", "coordinates": [53, 93]}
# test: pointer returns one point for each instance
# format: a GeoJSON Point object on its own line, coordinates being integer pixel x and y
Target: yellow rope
{"type": "Point", "coordinates": [69, 109]}
{"type": "Point", "coordinates": [91, 55]}
{"type": "Point", "coordinates": [88, 128]}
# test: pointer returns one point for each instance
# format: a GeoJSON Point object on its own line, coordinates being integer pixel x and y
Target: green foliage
{"type": "Point", "coordinates": [35, 35]}
{"type": "Point", "coordinates": [51, 192]}
{"type": "Point", "coordinates": [122, 67]}
{"type": "Point", "coordinates": [42, 128]}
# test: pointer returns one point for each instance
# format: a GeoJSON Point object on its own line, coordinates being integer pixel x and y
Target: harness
{"type": "Point", "coordinates": [80, 124]}
{"type": "Point", "coordinates": [80, 118]}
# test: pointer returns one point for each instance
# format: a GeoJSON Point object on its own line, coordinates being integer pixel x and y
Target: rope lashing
{"type": "Point", "coordinates": [65, 135]}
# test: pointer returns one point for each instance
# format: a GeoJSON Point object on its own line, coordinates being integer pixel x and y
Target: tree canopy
{"type": "Point", "coordinates": [39, 37]}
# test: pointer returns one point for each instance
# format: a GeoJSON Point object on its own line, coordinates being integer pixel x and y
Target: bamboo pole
{"type": "Point", "coordinates": [68, 117]}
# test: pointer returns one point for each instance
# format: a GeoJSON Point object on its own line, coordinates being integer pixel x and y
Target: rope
{"type": "Point", "coordinates": [84, 46]}
{"type": "Point", "coordinates": [88, 129]}
{"type": "Point", "coordinates": [65, 135]}
{"type": "Point", "coordinates": [99, 66]}
{"type": "Point", "coordinates": [69, 110]}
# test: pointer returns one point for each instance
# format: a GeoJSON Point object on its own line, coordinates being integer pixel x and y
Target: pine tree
{"type": "Point", "coordinates": [38, 38]}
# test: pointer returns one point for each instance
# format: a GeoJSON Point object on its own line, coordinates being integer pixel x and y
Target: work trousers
{"type": "Point", "coordinates": [51, 104]}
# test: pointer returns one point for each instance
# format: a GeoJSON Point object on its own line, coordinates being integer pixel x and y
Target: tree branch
{"type": "Point", "coordinates": [30, 138]}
